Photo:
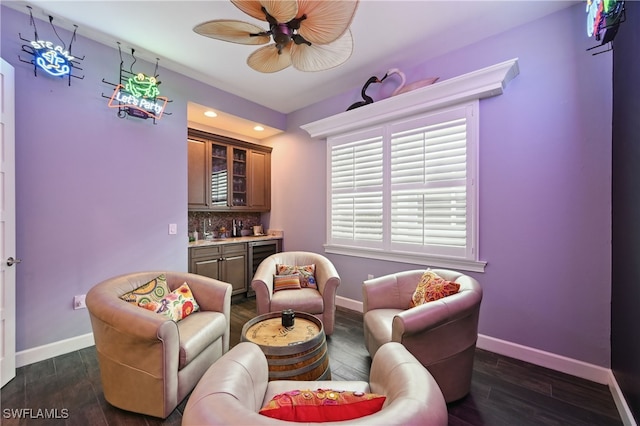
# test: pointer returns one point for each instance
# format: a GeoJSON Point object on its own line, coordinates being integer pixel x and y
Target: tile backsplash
{"type": "Point", "coordinates": [213, 221]}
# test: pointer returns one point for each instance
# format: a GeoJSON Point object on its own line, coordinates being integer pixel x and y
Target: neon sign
{"type": "Point", "coordinates": [53, 59]}
{"type": "Point", "coordinates": [604, 18]}
{"type": "Point", "coordinates": [139, 96]}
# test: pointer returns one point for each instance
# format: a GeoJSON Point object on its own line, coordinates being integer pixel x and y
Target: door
{"type": "Point", "coordinates": [7, 226]}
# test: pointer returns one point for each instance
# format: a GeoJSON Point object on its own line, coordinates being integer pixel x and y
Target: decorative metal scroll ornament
{"type": "Point", "coordinates": [54, 59]}
{"type": "Point", "coordinates": [137, 94]}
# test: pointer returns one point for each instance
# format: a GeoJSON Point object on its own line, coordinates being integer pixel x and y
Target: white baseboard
{"type": "Point", "coordinates": [549, 360]}
{"type": "Point", "coordinates": [621, 403]}
{"type": "Point", "coordinates": [54, 349]}
{"type": "Point", "coordinates": [351, 304]}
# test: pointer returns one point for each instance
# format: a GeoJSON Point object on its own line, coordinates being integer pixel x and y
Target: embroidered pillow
{"type": "Point", "coordinates": [307, 274]}
{"type": "Point", "coordinates": [153, 291]}
{"type": "Point", "coordinates": [286, 282]}
{"type": "Point", "coordinates": [322, 405]}
{"type": "Point", "coordinates": [432, 287]}
{"type": "Point", "coordinates": [177, 305]}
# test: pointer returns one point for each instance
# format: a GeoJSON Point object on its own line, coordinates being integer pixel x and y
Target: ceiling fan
{"type": "Point", "coordinates": [311, 35]}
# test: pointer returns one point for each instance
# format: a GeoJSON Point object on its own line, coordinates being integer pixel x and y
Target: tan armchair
{"type": "Point", "coordinates": [441, 334]}
{"type": "Point", "coordinates": [149, 363]}
{"type": "Point", "coordinates": [320, 302]}
{"type": "Point", "coordinates": [235, 388]}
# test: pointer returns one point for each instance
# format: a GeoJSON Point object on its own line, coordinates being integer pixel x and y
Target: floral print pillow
{"type": "Point", "coordinates": [307, 274]}
{"type": "Point", "coordinates": [177, 305]}
{"type": "Point", "coordinates": [432, 287]}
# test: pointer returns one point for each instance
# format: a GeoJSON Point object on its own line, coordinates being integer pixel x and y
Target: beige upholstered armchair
{"type": "Point", "coordinates": [320, 302]}
{"type": "Point", "coordinates": [234, 389]}
{"type": "Point", "coordinates": [441, 334]}
{"type": "Point", "coordinates": [149, 363]}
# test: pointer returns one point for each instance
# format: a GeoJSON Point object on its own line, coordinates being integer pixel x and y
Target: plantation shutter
{"type": "Point", "coordinates": [429, 184]}
{"type": "Point", "coordinates": [406, 190]}
{"type": "Point", "coordinates": [356, 191]}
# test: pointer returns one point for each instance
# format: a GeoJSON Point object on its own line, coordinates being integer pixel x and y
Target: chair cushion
{"type": "Point", "coordinates": [197, 332]}
{"type": "Point", "coordinates": [303, 300]}
{"type": "Point", "coordinates": [378, 324]}
{"type": "Point", "coordinates": [322, 405]}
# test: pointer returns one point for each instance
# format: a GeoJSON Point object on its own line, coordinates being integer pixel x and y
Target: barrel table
{"type": "Point", "coordinates": [293, 353]}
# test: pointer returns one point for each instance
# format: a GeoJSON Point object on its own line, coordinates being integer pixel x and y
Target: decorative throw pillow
{"type": "Point", "coordinates": [178, 304]}
{"type": "Point", "coordinates": [307, 274]}
{"type": "Point", "coordinates": [432, 287]}
{"type": "Point", "coordinates": [286, 282]}
{"type": "Point", "coordinates": [322, 405]}
{"type": "Point", "coordinates": [153, 291]}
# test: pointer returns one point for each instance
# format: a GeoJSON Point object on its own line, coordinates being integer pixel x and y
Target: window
{"type": "Point", "coordinates": [407, 190]}
{"type": "Point", "coordinates": [402, 172]}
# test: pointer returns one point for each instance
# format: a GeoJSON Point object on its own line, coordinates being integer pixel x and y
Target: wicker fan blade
{"type": "Point", "coordinates": [326, 20]}
{"type": "Point", "coordinates": [267, 60]}
{"type": "Point", "coordinates": [282, 10]}
{"type": "Point", "coordinates": [318, 57]}
{"type": "Point", "coordinates": [233, 31]}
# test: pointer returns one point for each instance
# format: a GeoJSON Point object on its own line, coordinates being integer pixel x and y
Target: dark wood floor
{"type": "Point", "coordinates": [505, 391]}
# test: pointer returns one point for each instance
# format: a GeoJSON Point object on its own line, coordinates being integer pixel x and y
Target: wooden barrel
{"type": "Point", "coordinates": [294, 353]}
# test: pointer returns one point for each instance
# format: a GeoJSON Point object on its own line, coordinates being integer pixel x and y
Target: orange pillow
{"type": "Point", "coordinates": [432, 287]}
{"type": "Point", "coordinates": [322, 405]}
{"type": "Point", "coordinates": [286, 282]}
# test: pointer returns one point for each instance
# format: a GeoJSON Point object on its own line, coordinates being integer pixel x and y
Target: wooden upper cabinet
{"type": "Point", "coordinates": [259, 180]}
{"type": "Point", "coordinates": [198, 171]}
{"type": "Point", "coordinates": [227, 174]}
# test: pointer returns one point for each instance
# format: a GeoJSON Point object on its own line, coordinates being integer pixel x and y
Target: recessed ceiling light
{"type": "Point", "coordinates": [210, 114]}
{"type": "Point", "coordinates": [258, 128]}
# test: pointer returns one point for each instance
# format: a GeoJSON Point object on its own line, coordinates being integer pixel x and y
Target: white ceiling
{"type": "Point", "coordinates": [385, 33]}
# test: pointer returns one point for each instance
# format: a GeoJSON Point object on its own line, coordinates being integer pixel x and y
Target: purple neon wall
{"type": "Point", "coordinates": [95, 193]}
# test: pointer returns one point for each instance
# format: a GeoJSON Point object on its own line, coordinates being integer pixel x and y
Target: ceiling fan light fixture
{"type": "Point", "coordinates": [312, 35]}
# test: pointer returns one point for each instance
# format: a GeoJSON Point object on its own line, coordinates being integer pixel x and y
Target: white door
{"type": "Point", "coordinates": [7, 225]}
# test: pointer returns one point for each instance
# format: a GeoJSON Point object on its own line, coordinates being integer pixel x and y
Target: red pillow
{"type": "Point", "coordinates": [322, 405]}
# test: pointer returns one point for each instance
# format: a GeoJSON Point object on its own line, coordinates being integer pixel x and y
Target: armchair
{"type": "Point", "coordinates": [320, 302]}
{"type": "Point", "coordinates": [441, 334]}
{"type": "Point", "coordinates": [234, 389]}
{"type": "Point", "coordinates": [149, 363]}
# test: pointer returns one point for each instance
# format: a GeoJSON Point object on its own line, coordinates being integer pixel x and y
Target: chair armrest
{"type": "Point", "coordinates": [262, 284]}
{"type": "Point", "coordinates": [380, 293]}
{"type": "Point", "coordinates": [232, 389]}
{"type": "Point", "coordinates": [434, 314]}
{"type": "Point", "coordinates": [408, 386]}
{"type": "Point", "coordinates": [327, 276]}
{"type": "Point", "coordinates": [212, 295]}
{"type": "Point", "coordinates": [120, 315]}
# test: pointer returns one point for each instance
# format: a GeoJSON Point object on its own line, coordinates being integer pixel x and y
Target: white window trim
{"type": "Point", "coordinates": [480, 84]}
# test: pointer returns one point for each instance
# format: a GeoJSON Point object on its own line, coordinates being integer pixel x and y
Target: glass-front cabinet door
{"type": "Point", "coordinates": [219, 176]}
{"type": "Point", "coordinates": [239, 167]}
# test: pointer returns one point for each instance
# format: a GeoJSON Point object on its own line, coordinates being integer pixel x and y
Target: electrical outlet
{"type": "Point", "coordinates": [78, 302]}
{"type": "Point", "coordinates": [370, 276]}
{"type": "Point", "coordinates": [173, 228]}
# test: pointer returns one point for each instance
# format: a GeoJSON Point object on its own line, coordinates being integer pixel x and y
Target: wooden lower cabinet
{"type": "Point", "coordinates": [234, 263]}
{"type": "Point", "coordinates": [226, 263]}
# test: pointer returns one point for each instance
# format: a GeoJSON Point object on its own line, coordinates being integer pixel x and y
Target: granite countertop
{"type": "Point", "coordinates": [230, 240]}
